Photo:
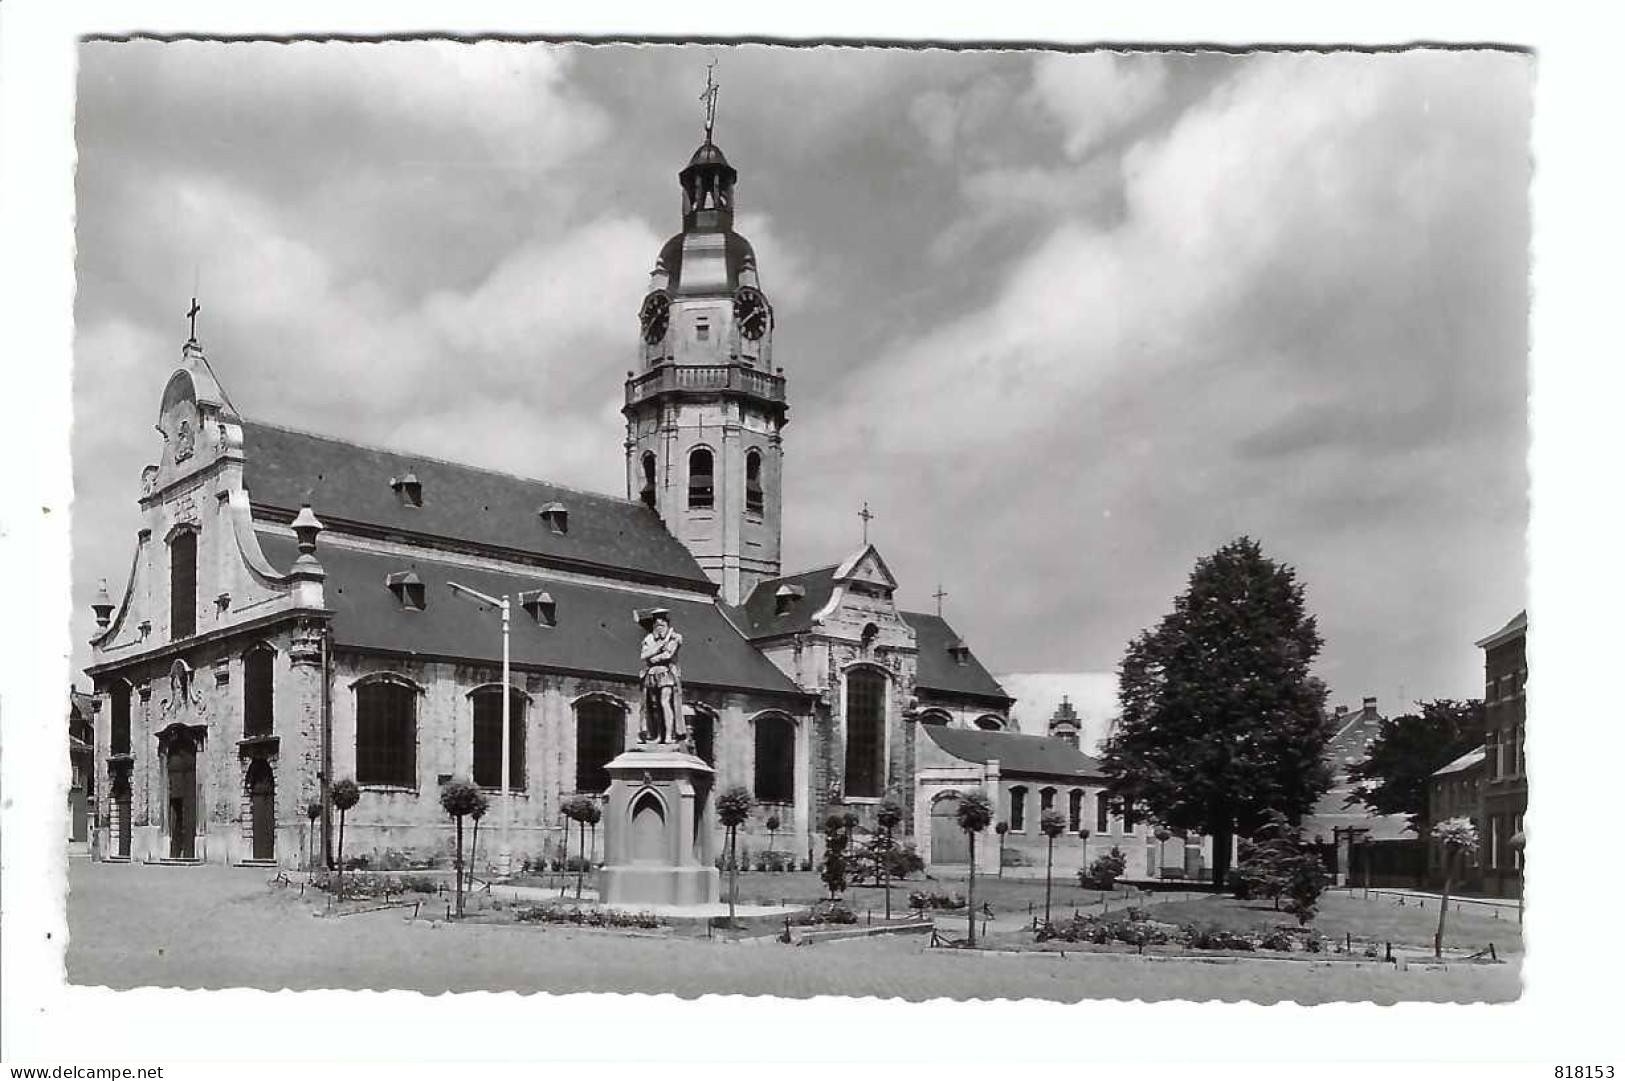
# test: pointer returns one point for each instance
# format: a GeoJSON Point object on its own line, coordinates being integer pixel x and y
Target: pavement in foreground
{"type": "Point", "coordinates": [214, 927]}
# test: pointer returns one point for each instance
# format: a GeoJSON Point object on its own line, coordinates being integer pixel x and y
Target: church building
{"type": "Point", "coordinates": [302, 609]}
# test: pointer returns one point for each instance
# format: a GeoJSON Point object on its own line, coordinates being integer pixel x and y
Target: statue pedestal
{"type": "Point", "coordinates": [658, 846]}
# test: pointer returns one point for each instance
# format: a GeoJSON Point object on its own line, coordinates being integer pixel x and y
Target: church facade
{"type": "Point", "coordinates": [302, 609]}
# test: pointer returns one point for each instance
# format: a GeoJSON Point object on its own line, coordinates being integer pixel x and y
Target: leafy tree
{"type": "Point", "coordinates": [1053, 824]}
{"type": "Point", "coordinates": [836, 836]}
{"type": "Point", "coordinates": [733, 810]}
{"type": "Point", "coordinates": [887, 816]}
{"type": "Point", "coordinates": [580, 810]}
{"type": "Point", "coordinates": [458, 798]}
{"type": "Point", "coordinates": [1001, 829]}
{"type": "Point", "coordinates": [1277, 864]}
{"type": "Point", "coordinates": [974, 814]}
{"type": "Point", "coordinates": [1458, 836]}
{"type": "Point", "coordinates": [1221, 719]}
{"type": "Point", "coordinates": [344, 794]}
{"type": "Point", "coordinates": [1393, 777]}
{"type": "Point", "coordinates": [481, 805]}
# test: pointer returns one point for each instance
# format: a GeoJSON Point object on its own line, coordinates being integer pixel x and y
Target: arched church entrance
{"type": "Point", "coordinates": [948, 842]}
{"type": "Point", "coordinates": [262, 809]}
{"type": "Point", "coordinates": [180, 766]}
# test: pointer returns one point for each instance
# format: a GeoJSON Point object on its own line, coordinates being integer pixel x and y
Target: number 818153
{"type": "Point", "coordinates": [1583, 1073]}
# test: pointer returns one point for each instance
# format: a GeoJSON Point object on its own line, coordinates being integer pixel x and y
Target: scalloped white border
{"type": "Point", "coordinates": [1575, 597]}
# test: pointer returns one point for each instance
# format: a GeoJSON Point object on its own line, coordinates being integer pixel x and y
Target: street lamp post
{"type": "Point", "coordinates": [1517, 841]}
{"type": "Point", "coordinates": [504, 851]}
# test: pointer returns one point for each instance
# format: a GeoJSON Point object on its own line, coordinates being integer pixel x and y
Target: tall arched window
{"type": "Point", "coordinates": [701, 490]}
{"type": "Point", "coordinates": [488, 738]}
{"type": "Point", "coordinates": [865, 733]}
{"type": "Point", "coordinates": [257, 692]}
{"type": "Point", "coordinates": [1046, 800]}
{"type": "Point", "coordinates": [1018, 809]}
{"type": "Point", "coordinates": [775, 759]}
{"type": "Point", "coordinates": [600, 736]}
{"type": "Point", "coordinates": [386, 733]}
{"type": "Point", "coordinates": [183, 584]}
{"type": "Point", "coordinates": [648, 490]}
{"type": "Point", "coordinates": [1103, 814]}
{"type": "Point", "coordinates": [1074, 810]}
{"type": "Point", "coordinates": [119, 729]}
{"type": "Point", "coordinates": [753, 482]}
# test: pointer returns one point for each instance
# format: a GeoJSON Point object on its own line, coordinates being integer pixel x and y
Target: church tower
{"type": "Point", "coordinates": [705, 408]}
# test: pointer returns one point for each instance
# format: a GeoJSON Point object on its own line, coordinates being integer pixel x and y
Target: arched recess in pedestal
{"type": "Point", "coordinates": [648, 830]}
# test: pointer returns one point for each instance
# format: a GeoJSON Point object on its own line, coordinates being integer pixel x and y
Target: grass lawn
{"type": "Point", "coordinates": [1374, 920]}
{"type": "Point", "coordinates": [135, 925]}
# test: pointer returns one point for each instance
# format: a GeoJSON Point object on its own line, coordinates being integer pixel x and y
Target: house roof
{"type": "Point", "coordinates": [1466, 761]}
{"type": "Point", "coordinates": [1518, 624]}
{"type": "Point", "coordinates": [939, 671]}
{"type": "Point", "coordinates": [349, 485]}
{"type": "Point", "coordinates": [1042, 756]}
{"type": "Point", "coordinates": [596, 630]}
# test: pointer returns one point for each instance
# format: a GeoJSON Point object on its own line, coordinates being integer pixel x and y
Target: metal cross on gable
{"type": "Point", "coordinates": [939, 594]}
{"type": "Point", "coordinates": [867, 518]}
{"type": "Point", "coordinates": [191, 318]}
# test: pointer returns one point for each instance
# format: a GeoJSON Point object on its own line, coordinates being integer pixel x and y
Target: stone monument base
{"type": "Point", "coordinates": [658, 844]}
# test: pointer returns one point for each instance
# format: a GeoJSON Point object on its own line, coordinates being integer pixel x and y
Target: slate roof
{"type": "Point", "coordinates": [756, 616]}
{"type": "Point", "coordinates": [596, 632]}
{"type": "Point", "coordinates": [1466, 761]}
{"type": "Point", "coordinates": [349, 485]}
{"type": "Point", "coordinates": [938, 671]}
{"type": "Point", "coordinates": [1031, 755]}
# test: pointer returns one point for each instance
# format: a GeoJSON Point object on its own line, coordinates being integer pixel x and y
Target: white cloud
{"type": "Point", "coordinates": [1097, 94]}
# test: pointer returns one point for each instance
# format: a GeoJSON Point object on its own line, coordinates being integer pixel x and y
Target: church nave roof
{"type": "Point", "coordinates": [349, 484]}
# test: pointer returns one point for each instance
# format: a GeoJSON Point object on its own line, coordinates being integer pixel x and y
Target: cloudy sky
{"type": "Point", "coordinates": [1065, 322]}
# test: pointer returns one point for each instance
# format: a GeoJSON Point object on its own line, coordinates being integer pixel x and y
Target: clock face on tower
{"type": "Point", "coordinates": [752, 312]}
{"type": "Point", "coordinates": [655, 315]}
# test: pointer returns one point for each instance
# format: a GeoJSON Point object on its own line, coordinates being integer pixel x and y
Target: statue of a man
{"type": "Point", "coordinates": [662, 681]}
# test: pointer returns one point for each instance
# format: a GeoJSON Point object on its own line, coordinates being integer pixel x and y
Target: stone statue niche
{"type": "Point", "coordinates": [659, 849]}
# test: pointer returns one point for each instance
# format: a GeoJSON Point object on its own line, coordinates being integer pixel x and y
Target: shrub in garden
{"type": "Point", "coordinates": [1104, 871]}
{"type": "Point", "coordinates": [837, 834]}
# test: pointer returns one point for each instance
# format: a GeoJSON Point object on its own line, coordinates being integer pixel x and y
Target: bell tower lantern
{"type": "Point", "coordinates": [705, 406]}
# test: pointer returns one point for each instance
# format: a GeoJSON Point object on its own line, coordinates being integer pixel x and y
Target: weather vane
{"type": "Point", "coordinates": [710, 99]}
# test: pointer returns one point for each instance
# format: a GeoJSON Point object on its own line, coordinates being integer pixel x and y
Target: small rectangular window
{"type": "Point", "coordinates": [702, 331]}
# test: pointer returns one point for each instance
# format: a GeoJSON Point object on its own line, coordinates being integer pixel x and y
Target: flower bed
{"type": "Point", "coordinates": [582, 916]}
{"type": "Point", "coordinates": [1134, 928]}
